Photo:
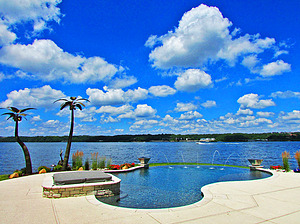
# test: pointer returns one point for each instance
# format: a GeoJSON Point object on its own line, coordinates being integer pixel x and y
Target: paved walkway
{"type": "Point", "coordinates": [272, 200]}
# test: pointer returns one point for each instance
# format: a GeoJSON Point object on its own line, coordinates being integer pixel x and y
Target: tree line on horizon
{"type": "Point", "coordinates": [227, 137]}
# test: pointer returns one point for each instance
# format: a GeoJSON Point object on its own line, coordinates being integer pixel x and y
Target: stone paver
{"type": "Point", "coordinates": [267, 201]}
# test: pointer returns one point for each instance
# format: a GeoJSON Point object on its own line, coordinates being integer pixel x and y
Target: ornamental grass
{"type": "Point", "coordinates": [101, 163]}
{"type": "Point", "coordinates": [77, 158]}
{"type": "Point", "coordinates": [285, 159]}
{"type": "Point", "coordinates": [94, 160]}
{"type": "Point", "coordinates": [297, 157]}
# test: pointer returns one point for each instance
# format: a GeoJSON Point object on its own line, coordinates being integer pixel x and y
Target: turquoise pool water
{"type": "Point", "coordinates": [166, 187]}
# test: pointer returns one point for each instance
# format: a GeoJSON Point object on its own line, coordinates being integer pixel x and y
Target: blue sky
{"type": "Point", "coordinates": [151, 66]}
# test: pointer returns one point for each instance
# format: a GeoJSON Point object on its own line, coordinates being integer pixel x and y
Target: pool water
{"type": "Point", "coordinates": [166, 187]}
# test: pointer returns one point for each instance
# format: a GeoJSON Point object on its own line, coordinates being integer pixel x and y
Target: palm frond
{"type": "Point", "coordinates": [14, 109]}
{"type": "Point", "coordinates": [31, 108]}
{"type": "Point", "coordinates": [79, 106]}
{"type": "Point", "coordinates": [11, 114]}
{"type": "Point", "coordinates": [83, 99]}
{"type": "Point", "coordinates": [23, 115]}
{"type": "Point", "coordinates": [65, 105]}
{"type": "Point", "coordinates": [60, 100]}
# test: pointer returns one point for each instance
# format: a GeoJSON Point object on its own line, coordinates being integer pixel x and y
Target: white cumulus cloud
{"type": "Point", "coordinates": [275, 68]}
{"type": "Point", "coordinates": [285, 94]}
{"type": "Point", "coordinates": [190, 115]}
{"type": "Point", "coordinates": [199, 37]}
{"type": "Point", "coordinates": [248, 44]}
{"type": "Point", "coordinates": [36, 118]}
{"type": "Point", "coordinates": [180, 107]}
{"type": "Point", "coordinates": [252, 101]}
{"type": "Point", "coordinates": [6, 36]}
{"type": "Point", "coordinates": [122, 82]}
{"type": "Point", "coordinates": [115, 96]}
{"type": "Point", "coordinates": [244, 112]}
{"type": "Point", "coordinates": [44, 60]}
{"type": "Point", "coordinates": [294, 115]}
{"type": "Point", "coordinates": [35, 97]}
{"type": "Point", "coordinates": [203, 36]}
{"type": "Point", "coordinates": [141, 111]}
{"type": "Point", "coordinates": [115, 110]}
{"type": "Point", "coordinates": [162, 91]}
{"type": "Point", "coordinates": [38, 11]}
{"type": "Point", "coordinates": [251, 62]}
{"type": "Point", "coordinates": [265, 114]}
{"type": "Point", "coordinates": [143, 125]}
{"type": "Point", "coordinates": [209, 104]}
{"type": "Point", "coordinates": [192, 80]}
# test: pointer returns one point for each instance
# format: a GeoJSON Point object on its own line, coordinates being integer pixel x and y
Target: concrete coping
{"type": "Point", "coordinates": [123, 171]}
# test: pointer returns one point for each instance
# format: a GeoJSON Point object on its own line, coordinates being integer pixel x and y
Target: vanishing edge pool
{"type": "Point", "coordinates": [172, 186]}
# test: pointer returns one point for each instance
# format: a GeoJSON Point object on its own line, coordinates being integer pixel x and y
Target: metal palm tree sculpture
{"type": "Point", "coordinates": [17, 116]}
{"type": "Point", "coordinates": [73, 103]}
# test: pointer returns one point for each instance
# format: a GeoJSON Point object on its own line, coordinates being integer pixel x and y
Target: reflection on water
{"type": "Point", "coordinates": [12, 158]}
{"type": "Point", "coordinates": [143, 172]}
{"type": "Point", "coordinates": [256, 174]}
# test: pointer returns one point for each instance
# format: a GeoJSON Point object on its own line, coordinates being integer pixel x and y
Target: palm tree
{"type": "Point", "coordinates": [17, 116]}
{"type": "Point", "coordinates": [73, 103]}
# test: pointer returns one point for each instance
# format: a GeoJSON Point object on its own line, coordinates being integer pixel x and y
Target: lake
{"type": "Point", "coordinates": [12, 158]}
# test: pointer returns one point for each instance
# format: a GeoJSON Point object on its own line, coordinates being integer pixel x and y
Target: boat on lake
{"type": "Point", "coordinates": [205, 140]}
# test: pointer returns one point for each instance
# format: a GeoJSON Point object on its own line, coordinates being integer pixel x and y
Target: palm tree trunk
{"type": "Point", "coordinates": [68, 149]}
{"type": "Point", "coordinates": [25, 150]}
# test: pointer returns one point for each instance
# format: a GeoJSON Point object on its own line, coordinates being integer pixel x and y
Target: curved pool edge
{"type": "Point", "coordinates": [205, 190]}
{"type": "Point", "coordinates": [208, 195]}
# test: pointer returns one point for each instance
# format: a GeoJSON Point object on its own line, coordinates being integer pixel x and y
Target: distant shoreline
{"type": "Point", "coordinates": [227, 137]}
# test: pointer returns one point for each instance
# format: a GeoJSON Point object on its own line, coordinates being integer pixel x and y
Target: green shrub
{"type": "Point", "coordinates": [4, 177]}
{"type": "Point", "coordinates": [23, 170]}
{"type": "Point", "coordinates": [108, 163]}
{"type": "Point", "coordinates": [101, 163]}
{"type": "Point", "coordinates": [87, 164]}
{"type": "Point", "coordinates": [44, 167]}
{"type": "Point", "coordinates": [57, 168]}
{"type": "Point", "coordinates": [19, 172]}
{"type": "Point", "coordinates": [94, 160]}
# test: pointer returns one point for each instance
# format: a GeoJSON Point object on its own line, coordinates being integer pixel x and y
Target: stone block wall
{"type": "Point", "coordinates": [98, 189]}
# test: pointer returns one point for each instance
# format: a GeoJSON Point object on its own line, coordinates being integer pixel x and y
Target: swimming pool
{"type": "Point", "coordinates": [167, 187]}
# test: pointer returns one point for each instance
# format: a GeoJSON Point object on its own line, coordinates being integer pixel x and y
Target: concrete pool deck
{"type": "Point", "coordinates": [271, 200]}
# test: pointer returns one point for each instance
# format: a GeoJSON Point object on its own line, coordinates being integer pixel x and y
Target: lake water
{"type": "Point", "coordinates": [12, 158]}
